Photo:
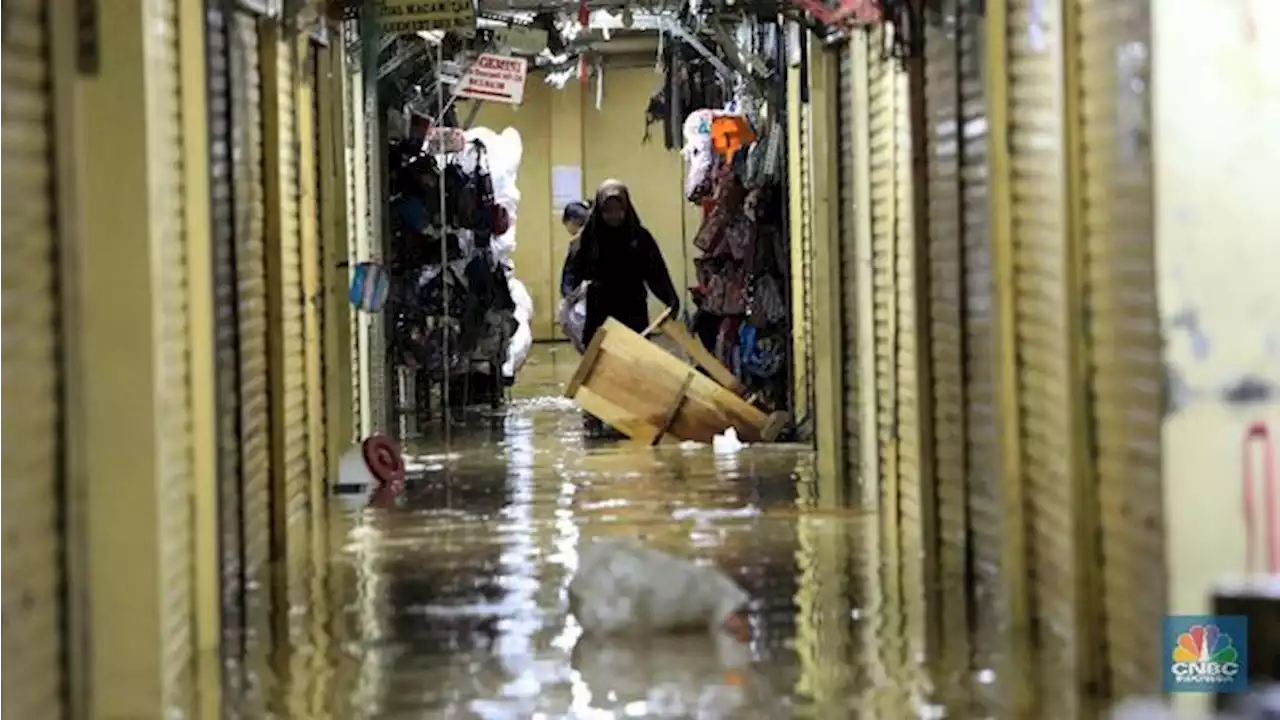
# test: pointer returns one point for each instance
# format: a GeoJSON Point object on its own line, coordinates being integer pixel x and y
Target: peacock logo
{"type": "Point", "coordinates": [1205, 654]}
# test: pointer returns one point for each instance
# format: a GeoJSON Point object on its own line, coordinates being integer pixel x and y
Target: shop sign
{"type": "Point", "coordinates": [494, 78]}
{"type": "Point", "coordinates": [404, 16]}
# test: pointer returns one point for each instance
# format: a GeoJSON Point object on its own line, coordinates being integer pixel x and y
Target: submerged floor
{"type": "Point", "coordinates": [455, 603]}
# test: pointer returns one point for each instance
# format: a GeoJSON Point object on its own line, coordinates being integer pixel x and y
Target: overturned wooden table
{"type": "Point", "coordinates": [650, 395]}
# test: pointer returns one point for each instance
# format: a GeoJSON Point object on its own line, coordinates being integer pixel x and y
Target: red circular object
{"type": "Point", "coordinates": [382, 456]}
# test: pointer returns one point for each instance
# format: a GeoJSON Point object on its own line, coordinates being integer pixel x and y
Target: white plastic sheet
{"type": "Point", "coordinates": [624, 588]}
{"type": "Point", "coordinates": [522, 341]}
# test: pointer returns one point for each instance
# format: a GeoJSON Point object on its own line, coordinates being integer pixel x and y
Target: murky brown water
{"type": "Point", "coordinates": [455, 605]}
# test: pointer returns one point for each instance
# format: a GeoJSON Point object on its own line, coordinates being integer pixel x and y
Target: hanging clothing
{"type": "Point", "coordinates": [620, 261]}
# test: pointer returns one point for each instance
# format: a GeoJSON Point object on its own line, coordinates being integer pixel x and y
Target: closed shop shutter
{"type": "Point", "coordinates": [319, 407]}
{"type": "Point", "coordinates": [309, 226]}
{"type": "Point", "coordinates": [226, 342]}
{"type": "Point", "coordinates": [908, 328]}
{"type": "Point", "coordinates": [172, 352]}
{"type": "Point", "coordinates": [251, 280]}
{"type": "Point", "coordinates": [946, 312]}
{"type": "Point", "coordinates": [847, 121]}
{"type": "Point", "coordinates": [982, 439]}
{"type": "Point", "coordinates": [802, 315]}
{"type": "Point", "coordinates": [1123, 322]}
{"type": "Point", "coordinates": [285, 271]}
{"type": "Point", "coordinates": [1041, 289]}
{"type": "Point", "coordinates": [32, 604]}
{"type": "Point", "coordinates": [882, 100]}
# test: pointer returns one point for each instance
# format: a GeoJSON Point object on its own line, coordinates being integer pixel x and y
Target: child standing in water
{"type": "Point", "coordinates": [573, 290]}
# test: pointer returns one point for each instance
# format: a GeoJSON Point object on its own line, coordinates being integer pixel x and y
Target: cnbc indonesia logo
{"type": "Point", "coordinates": [1204, 655]}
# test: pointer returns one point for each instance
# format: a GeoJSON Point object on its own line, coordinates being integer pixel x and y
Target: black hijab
{"type": "Point", "coordinates": [601, 242]}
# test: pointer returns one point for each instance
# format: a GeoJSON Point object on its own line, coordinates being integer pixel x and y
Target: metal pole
{"type": "Point", "coordinates": [444, 246]}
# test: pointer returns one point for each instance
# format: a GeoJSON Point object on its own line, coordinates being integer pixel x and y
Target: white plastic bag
{"type": "Point", "coordinates": [623, 587]}
{"type": "Point", "coordinates": [573, 317]}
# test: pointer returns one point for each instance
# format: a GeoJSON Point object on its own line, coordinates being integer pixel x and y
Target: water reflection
{"type": "Point", "coordinates": [455, 604]}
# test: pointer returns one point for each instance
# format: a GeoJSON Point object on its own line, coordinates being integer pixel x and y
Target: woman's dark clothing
{"type": "Point", "coordinates": [620, 262]}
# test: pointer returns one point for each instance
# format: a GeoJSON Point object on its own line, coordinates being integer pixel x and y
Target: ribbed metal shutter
{"type": "Point", "coordinates": [1040, 262]}
{"type": "Point", "coordinates": [251, 272]}
{"type": "Point", "coordinates": [295, 454]}
{"type": "Point", "coordinates": [172, 351]}
{"type": "Point", "coordinates": [313, 271]}
{"type": "Point", "coordinates": [946, 312]}
{"type": "Point", "coordinates": [913, 504]}
{"type": "Point", "coordinates": [982, 440]}
{"type": "Point", "coordinates": [847, 121]}
{"type": "Point", "coordinates": [803, 316]}
{"type": "Point", "coordinates": [1124, 332]}
{"type": "Point", "coordinates": [226, 343]}
{"type": "Point", "coordinates": [32, 413]}
{"type": "Point", "coordinates": [882, 100]}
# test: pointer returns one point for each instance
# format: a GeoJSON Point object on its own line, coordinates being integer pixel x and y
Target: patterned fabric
{"type": "Point", "coordinates": [766, 305]}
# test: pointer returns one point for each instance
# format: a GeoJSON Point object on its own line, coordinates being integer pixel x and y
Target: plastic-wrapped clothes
{"type": "Point", "coordinates": [624, 588]}
{"type": "Point", "coordinates": [522, 339]}
{"type": "Point", "coordinates": [503, 151]}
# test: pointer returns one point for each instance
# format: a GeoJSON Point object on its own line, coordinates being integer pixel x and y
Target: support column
{"type": "Point", "coordinates": [134, 353]}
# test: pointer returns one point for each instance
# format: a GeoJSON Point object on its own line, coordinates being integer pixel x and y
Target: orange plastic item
{"type": "Point", "coordinates": [729, 133]}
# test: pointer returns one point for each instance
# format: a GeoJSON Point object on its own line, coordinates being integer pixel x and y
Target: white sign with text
{"type": "Point", "coordinates": [494, 78]}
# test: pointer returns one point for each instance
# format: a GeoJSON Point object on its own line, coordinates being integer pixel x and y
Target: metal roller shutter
{"type": "Point", "coordinates": [914, 503]}
{"type": "Point", "coordinates": [293, 454]}
{"type": "Point", "coordinates": [1124, 337]}
{"type": "Point", "coordinates": [804, 317]}
{"type": "Point", "coordinates": [1041, 258]}
{"type": "Point", "coordinates": [172, 351]}
{"type": "Point", "coordinates": [313, 271]}
{"type": "Point", "coordinates": [32, 601]}
{"type": "Point", "coordinates": [226, 343]}
{"type": "Point", "coordinates": [946, 312]}
{"type": "Point", "coordinates": [882, 83]}
{"type": "Point", "coordinates": [251, 274]}
{"type": "Point", "coordinates": [982, 439]}
{"type": "Point", "coordinates": [846, 118]}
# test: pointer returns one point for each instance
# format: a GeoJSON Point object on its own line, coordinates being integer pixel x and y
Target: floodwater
{"type": "Point", "coordinates": [454, 604]}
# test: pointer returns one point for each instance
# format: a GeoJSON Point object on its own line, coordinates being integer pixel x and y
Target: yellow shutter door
{"type": "Point", "coordinates": [311, 259]}
{"type": "Point", "coordinates": [883, 207]}
{"type": "Point", "coordinates": [251, 317]}
{"type": "Point", "coordinates": [173, 348]}
{"type": "Point", "coordinates": [32, 602]}
{"type": "Point", "coordinates": [1112, 41]}
{"type": "Point", "coordinates": [847, 122]}
{"type": "Point", "coordinates": [1048, 384]}
{"type": "Point", "coordinates": [946, 310]}
{"type": "Point", "coordinates": [910, 353]}
{"type": "Point", "coordinates": [226, 346]}
{"type": "Point", "coordinates": [286, 333]}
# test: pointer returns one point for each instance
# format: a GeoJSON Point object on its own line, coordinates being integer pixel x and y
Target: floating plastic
{"type": "Point", "coordinates": [727, 442]}
{"type": "Point", "coordinates": [624, 588]}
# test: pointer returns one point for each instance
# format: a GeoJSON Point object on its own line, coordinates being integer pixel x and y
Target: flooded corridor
{"type": "Point", "coordinates": [455, 604]}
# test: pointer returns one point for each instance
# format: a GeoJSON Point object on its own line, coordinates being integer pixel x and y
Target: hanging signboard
{"type": "Point", "coordinates": [405, 16]}
{"type": "Point", "coordinates": [494, 78]}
